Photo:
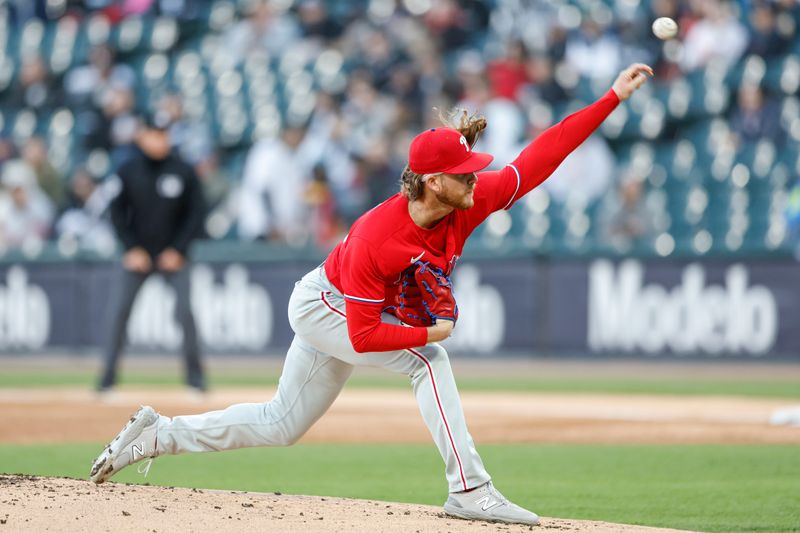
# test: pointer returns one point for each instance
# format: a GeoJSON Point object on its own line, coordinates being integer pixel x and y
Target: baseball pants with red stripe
{"type": "Point", "coordinates": [318, 363]}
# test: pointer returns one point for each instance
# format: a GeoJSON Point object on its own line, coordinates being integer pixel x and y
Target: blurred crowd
{"type": "Point", "coordinates": [337, 148]}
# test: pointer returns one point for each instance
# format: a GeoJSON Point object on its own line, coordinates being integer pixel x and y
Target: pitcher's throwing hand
{"type": "Point", "coordinates": [631, 79]}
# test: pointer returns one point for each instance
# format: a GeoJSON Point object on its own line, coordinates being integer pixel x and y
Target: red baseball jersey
{"type": "Point", "coordinates": [367, 265]}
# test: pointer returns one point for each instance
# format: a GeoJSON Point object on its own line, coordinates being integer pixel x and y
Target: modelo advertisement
{"type": "Point", "coordinates": [600, 308]}
{"type": "Point", "coordinates": [714, 309]}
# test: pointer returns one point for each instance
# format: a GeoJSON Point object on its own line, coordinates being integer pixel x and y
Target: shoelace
{"type": "Point", "coordinates": [144, 468]}
{"type": "Point", "coordinates": [497, 494]}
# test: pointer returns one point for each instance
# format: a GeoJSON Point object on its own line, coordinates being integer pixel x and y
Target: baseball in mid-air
{"type": "Point", "coordinates": [665, 28]}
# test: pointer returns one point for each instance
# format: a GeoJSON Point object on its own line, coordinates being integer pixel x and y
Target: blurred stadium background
{"type": "Point", "coordinates": [669, 232]}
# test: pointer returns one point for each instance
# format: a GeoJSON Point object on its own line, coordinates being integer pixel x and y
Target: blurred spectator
{"type": "Point", "coordinates": [788, 17]}
{"type": "Point", "coordinates": [8, 150]}
{"type": "Point", "coordinates": [380, 58]}
{"type": "Point", "coordinates": [508, 74]}
{"type": "Point", "coordinates": [508, 123]}
{"type": "Point", "coordinates": [717, 35]}
{"type": "Point", "coordinates": [34, 152]}
{"type": "Point", "coordinates": [404, 85]}
{"type": "Point", "coordinates": [85, 220]}
{"type": "Point", "coordinates": [585, 175]}
{"type": "Point", "coordinates": [557, 43]}
{"type": "Point", "coordinates": [326, 144]}
{"type": "Point", "coordinates": [315, 22]}
{"type": "Point", "coordinates": [449, 22]}
{"type": "Point", "coordinates": [378, 173]}
{"type": "Point", "coordinates": [765, 40]}
{"type": "Point", "coordinates": [212, 179]}
{"type": "Point", "coordinates": [266, 28]}
{"type": "Point", "coordinates": [594, 51]}
{"type": "Point", "coordinates": [638, 44]}
{"type": "Point", "coordinates": [755, 117]}
{"type": "Point", "coordinates": [543, 85]}
{"type": "Point", "coordinates": [89, 85]}
{"type": "Point", "coordinates": [507, 131]}
{"type": "Point", "coordinates": [25, 212]}
{"type": "Point", "coordinates": [625, 219]}
{"type": "Point", "coordinates": [430, 81]}
{"type": "Point", "coordinates": [191, 138]}
{"type": "Point", "coordinates": [275, 178]}
{"type": "Point", "coordinates": [365, 112]}
{"type": "Point", "coordinates": [222, 203]}
{"type": "Point", "coordinates": [113, 128]}
{"type": "Point", "coordinates": [326, 228]}
{"type": "Point", "coordinates": [474, 89]}
{"type": "Point", "coordinates": [667, 8]}
{"type": "Point", "coordinates": [454, 24]}
{"type": "Point", "coordinates": [35, 88]}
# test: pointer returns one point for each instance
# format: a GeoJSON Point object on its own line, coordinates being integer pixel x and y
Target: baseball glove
{"type": "Point", "coordinates": [436, 291]}
{"type": "Point", "coordinates": [425, 296]}
{"type": "Point", "coordinates": [408, 303]}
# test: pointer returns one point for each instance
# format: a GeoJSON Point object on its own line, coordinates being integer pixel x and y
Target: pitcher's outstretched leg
{"type": "Point", "coordinates": [310, 382]}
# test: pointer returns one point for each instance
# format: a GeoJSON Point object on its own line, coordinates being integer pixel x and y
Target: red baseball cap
{"type": "Point", "coordinates": [440, 150]}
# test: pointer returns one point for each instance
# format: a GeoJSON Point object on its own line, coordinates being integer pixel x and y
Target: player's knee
{"type": "Point", "coordinates": [280, 428]}
{"type": "Point", "coordinates": [289, 437]}
{"type": "Point", "coordinates": [434, 357]}
{"type": "Point", "coordinates": [278, 435]}
{"type": "Point", "coordinates": [438, 355]}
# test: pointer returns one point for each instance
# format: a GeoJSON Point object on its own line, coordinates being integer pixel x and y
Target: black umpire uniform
{"type": "Point", "coordinates": [159, 207]}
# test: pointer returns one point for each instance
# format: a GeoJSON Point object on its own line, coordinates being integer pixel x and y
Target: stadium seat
{"type": "Point", "coordinates": [62, 50]}
{"type": "Point", "coordinates": [129, 35]}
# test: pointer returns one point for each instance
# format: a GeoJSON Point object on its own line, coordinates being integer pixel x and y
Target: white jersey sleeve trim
{"type": "Point", "coordinates": [519, 181]}
{"type": "Point", "coordinates": [366, 300]}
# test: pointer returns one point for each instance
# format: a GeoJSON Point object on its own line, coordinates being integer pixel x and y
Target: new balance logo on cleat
{"type": "Point", "coordinates": [137, 450]}
{"type": "Point", "coordinates": [487, 503]}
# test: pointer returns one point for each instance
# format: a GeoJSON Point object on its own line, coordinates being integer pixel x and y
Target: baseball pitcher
{"type": "Point", "coordinates": [383, 298]}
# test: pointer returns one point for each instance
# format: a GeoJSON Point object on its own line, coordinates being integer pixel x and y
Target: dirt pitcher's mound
{"type": "Point", "coordinates": [37, 504]}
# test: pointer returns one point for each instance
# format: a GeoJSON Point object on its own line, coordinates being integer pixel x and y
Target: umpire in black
{"type": "Point", "coordinates": [157, 212]}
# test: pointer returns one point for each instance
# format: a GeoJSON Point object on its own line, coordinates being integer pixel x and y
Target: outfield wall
{"type": "Point", "coordinates": [644, 308]}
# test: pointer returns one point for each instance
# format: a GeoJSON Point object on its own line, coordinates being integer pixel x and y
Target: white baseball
{"type": "Point", "coordinates": [665, 28]}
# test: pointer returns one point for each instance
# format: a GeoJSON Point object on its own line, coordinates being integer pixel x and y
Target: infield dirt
{"type": "Point", "coordinates": [34, 504]}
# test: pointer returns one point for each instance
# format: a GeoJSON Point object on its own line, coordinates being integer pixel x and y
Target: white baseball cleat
{"type": "Point", "coordinates": [137, 441]}
{"type": "Point", "coordinates": [486, 503]}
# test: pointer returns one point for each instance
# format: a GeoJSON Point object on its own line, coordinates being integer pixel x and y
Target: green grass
{"type": "Point", "coordinates": [657, 385]}
{"type": "Point", "coordinates": [705, 488]}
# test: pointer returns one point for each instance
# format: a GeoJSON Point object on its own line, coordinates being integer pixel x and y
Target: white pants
{"type": "Point", "coordinates": [318, 363]}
